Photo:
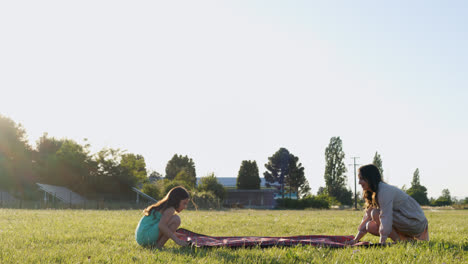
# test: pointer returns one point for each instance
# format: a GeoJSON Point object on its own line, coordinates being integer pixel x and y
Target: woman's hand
{"type": "Point", "coordinates": [383, 240]}
{"type": "Point", "coordinates": [350, 242]}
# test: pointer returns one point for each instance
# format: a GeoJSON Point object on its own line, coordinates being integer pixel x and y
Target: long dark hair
{"type": "Point", "coordinates": [371, 174]}
{"type": "Point", "coordinates": [172, 199]}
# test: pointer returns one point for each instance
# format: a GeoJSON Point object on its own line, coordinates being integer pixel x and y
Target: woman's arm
{"type": "Point", "coordinates": [164, 226]}
{"type": "Point", "coordinates": [362, 227]}
{"type": "Point", "coordinates": [386, 213]}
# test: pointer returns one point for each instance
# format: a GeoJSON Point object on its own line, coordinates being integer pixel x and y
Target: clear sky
{"type": "Point", "coordinates": [226, 81]}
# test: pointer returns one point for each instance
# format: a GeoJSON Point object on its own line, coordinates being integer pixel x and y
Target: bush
{"type": "Point", "coordinates": [320, 201]}
{"type": "Point", "coordinates": [151, 190]}
{"type": "Point", "coordinates": [185, 179]}
{"type": "Point", "coordinates": [205, 200]}
{"type": "Point", "coordinates": [167, 185]}
{"type": "Point", "coordinates": [310, 201]}
{"type": "Point", "coordinates": [210, 184]}
{"type": "Point", "coordinates": [441, 201]}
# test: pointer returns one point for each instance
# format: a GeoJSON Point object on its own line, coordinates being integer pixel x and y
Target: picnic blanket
{"type": "Point", "coordinates": [199, 240]}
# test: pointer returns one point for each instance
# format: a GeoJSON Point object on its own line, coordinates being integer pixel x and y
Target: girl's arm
{"type": "Point", "coordinates": [164, 226]}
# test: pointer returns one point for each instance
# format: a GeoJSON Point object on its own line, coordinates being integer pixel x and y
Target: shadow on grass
{"type": "Point", "coordinates": [435, 245]}
{"type": "Point", "coordinates": [446, 245]}
{"type": "Point", "coordinates": [197, 251]}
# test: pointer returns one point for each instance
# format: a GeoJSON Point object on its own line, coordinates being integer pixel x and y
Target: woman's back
{"type": "Point", "coordinates": [400, 210]}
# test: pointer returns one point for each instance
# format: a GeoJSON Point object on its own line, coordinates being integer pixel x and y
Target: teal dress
{"type": "Point", "coordinates": [147, 231]}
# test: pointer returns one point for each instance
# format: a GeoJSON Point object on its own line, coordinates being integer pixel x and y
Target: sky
{"type": "Point", "coordinates": [227, 81]}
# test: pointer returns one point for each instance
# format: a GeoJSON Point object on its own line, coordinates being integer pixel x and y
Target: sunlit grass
{"type": "Point", "coordinates": [77, 236]}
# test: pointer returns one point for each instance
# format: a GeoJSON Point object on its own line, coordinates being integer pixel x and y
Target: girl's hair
{"type": "Point", "coordinates": [371, 174]}
{"type": "Point", "coordinates": [172, 199]}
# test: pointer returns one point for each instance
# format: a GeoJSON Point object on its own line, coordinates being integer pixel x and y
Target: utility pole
{"type": "Point", "coordinates": [355, 192]}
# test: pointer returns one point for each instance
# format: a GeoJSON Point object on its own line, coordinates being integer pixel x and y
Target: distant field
{"type": "Point", "coordinates": [87, 236]}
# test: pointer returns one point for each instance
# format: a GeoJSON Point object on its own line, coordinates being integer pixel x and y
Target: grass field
{"type": "Point", "coordinates": [87, 236]}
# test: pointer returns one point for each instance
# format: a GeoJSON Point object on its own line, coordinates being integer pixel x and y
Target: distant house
{"type": "Point", "coordinates": [262, 198]}
{"type": "Point", "coordinates": [231, 182]}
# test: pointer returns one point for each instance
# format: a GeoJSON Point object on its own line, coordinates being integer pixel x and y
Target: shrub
{"type": "Point", "coordinates": [152, 190]}
{"type": "Point", "coordinates": [168, 185]}
{"type": "Point", "coordinates": [205, 200]}
{"type": "Point", "coordinates": [210, 184]}
{"type": "Point", "coordinates": [310, 201]}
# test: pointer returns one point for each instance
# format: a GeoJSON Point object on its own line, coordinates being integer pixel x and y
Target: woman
{"type": "Point", "coordinates": [390, 212]}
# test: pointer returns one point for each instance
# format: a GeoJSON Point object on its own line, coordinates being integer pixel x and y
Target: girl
{"type": "Point", "coordinates": [160, 220]}
{"type": "Point", "coordinates": [390, 212]}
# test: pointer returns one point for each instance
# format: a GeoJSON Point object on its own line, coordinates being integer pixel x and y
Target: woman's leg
{"type": "Point", "coordinates": [173, 224]}
{"type": "Point", "coordinates": [374, 225]}
{"type": "Point", "coordinates": [424, 236]}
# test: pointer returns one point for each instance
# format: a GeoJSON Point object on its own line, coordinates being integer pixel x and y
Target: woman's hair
{"type": "Point", "coordinates": [371, 174]}
{"type": "Point", "coordinates": [172, 199]}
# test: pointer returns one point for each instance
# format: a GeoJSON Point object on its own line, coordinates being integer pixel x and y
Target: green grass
{"type": "Point", "coordinates": [87, 236]}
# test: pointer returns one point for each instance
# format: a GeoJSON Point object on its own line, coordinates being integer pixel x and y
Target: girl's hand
{"type": "Point", "coordinates": [351, 242]}
{"type": "Point", "coordinates": [182, 243]}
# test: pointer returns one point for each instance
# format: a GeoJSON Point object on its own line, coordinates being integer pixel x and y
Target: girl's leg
{"type": "Point", "coordinates": [173, 224]}
{"type": "Point", "coordinates": [374, 225]}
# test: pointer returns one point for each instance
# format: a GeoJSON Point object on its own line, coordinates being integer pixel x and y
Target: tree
{"type": "Point", "coordinates": [154, 176]}
{"type": "Point", "coordinates": [465, 201]}
{"type": "Point", "coordinates": [304, 190]}
{"type": "Point", "coordinates": [417, 191]}
{"type": "Point", "coordinates": [446, 195]}
{"type": "Point", "coordinates": [110, 176]}
{"type": "Point", "coordinates": [278, 168]}
{"type": "Point", "coordinates": [378, 162]}
{"type": "Point", "coordinates": [136, 165]}
{"type": "Point", "coordinates": [151, 189]}
{"type": "Point", "coordinates": [15, 156]}
{"type": "Point", "coordinates": [64, 162]}
{"type": "Point", "coordinates": [283, 167]}
{"type": "Point", "coordinates": [185, 178]}
{"type": "Point", "coordinates": [211, 184]}
{"type": "Point", "coordinates": [296, 180]}
{"type": "Point", "coordinates": [444, 199]}
{"type": "Point", "coordinates": [416, 181]}
{"type": "Point", "coordinates": [73, 165]}
{"type": "Point", "coordinates": [248, 177]}
{"type": "Point", "coordinates": [335, 169]}
{"type": "Point", "coordinates": [46, 161]}
{"type": "Point", "coordinates": [178, 163]}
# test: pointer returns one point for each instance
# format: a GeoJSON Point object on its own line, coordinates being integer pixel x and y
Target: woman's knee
{"type": "Point", "coordinates": [372, 227]}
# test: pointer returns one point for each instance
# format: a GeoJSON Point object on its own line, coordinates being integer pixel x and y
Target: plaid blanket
{"type": "Point", "coordinates": [199, 240]}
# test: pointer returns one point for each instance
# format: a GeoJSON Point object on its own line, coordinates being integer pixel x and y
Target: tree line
{"type": "Point", "coordinates": [64, 162]}
{"type": "Point", "coordinates": [111, 172]}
